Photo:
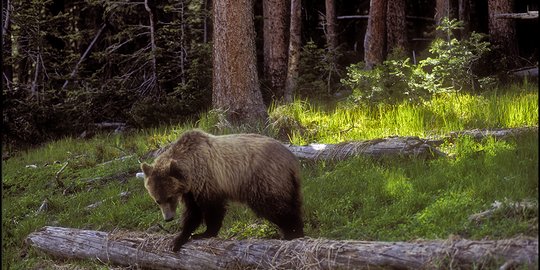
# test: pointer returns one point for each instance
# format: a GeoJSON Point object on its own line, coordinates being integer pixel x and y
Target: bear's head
{"type": "Point", "coordinates": [165, 185]}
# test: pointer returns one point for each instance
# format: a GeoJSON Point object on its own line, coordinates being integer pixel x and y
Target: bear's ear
{"type": "Point", "coordinates": [175, 170]}
{"type": "Point", "coordinates": [147, 169]}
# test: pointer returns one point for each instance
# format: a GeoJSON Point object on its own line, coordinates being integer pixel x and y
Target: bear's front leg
{"type": "Point", "coordinates": [191, 220]}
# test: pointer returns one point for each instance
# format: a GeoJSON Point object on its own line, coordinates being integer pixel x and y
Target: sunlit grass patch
{"type": "Point", "coordinates": [442, 114]}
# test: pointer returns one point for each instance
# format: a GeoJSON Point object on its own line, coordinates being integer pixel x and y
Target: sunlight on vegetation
{"type": "Point", "coordinates": [442, 114]}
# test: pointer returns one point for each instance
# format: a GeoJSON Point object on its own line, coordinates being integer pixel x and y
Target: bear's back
{"type": "Point", "coordinates": [237, 165]}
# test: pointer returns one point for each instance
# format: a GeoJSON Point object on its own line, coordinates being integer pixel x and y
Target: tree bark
{"type": "Point", "coordinates": [152, 83]}
{"type": "Point", "coordinates": [465, 17]}
{"type": "Point", "coordinates": [502, 32]}
{"type": "Point", "coordinates": [7, 49]}
{"type": "Point", "coordinates": [235, 81]}
{"type": "Point", "coordinates": [442, 9]}
{"type": "Point", "coordinates": [374, 40]}
{"type": "Point", "coordinates": [295, 42]}
{"type": "Point", "coordinates": [396, 24]}
{"type": "Point", "coordinates": [331, 32]}
{"type": "Point", "coordinates": [150, 251]}
{"type": "Point", "coordinates": [275, 45]}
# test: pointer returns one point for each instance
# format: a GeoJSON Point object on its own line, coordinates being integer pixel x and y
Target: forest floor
{"type": "Point", "coordinates": [91, 184]}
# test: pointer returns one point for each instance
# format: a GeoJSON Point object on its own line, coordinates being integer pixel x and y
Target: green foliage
{"type": "Point", "coordinates": [316, 72]}
{"type": "Point", "coordinates": [449, 67]}
{"type": "Point", "coordinates": [116, 81]}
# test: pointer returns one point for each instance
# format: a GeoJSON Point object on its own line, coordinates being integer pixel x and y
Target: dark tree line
{"type": "Point", "coordinates": [69, 64]}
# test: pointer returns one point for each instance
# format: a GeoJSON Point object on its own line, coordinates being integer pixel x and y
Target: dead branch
{"type": "Point", "coordinates": [76, 68]}
{"type": "Point", "coordinates": [59, 183]}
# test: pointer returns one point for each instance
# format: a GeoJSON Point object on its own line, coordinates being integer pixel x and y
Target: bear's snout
{"type": "Point", "coordinates": [168, 214]}
{"type": "Point", "coordinates": [169, 219]}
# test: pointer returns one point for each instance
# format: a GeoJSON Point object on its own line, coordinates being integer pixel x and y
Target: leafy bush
{"type": "Point", "coordinates": [448, 68]}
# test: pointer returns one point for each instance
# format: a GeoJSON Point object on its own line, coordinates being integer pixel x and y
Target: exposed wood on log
{"type": "Point", "coordinates": [525, 15]}
{"type": "Point", "coordinates": [110, 125]}
{"type": "Point", "coordinates": [150, 251]}
{"type": "Point", "coordinates": [389, 147]}
{"type": "Point", "coordinates": [345, 17]}
{"type": "Point", "coordinates": [527, 71]}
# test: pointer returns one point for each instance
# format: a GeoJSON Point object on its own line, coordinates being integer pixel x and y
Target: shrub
{"type": "Point", "coordinates": [448, 68]}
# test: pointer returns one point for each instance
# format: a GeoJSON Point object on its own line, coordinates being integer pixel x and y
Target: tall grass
{"type": "Point", "coordinates": [437, 116]}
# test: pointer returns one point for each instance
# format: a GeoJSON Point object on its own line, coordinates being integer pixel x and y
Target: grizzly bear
{"type": "Point", "coordinates": [207, 171]}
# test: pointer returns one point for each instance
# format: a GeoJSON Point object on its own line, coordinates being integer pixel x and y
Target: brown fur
{"type": "Point", "coordinates": [206, 171]}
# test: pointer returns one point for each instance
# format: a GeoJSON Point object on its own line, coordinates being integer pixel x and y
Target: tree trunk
{"type": "Point", "coordinates": [152, 83]}
{"type": "Point", "coordinates": [465, 17]}
{"type": "Point", "coordinates": [7, 49]}
{"type": "Point", "coordinates": [396, 25]}
{"type": "Point", "coordinates": [275, 45]}
{"type": "Point", "coordinates": [331, 32]}
{"type": "Point", "coordinates": [502, 33]}
{"type": "Point", "coordinates": [295, 42]}
{"type": "Point", "coordinates": [374, 41]}
{"type": "Point", "coordinates": [235, 83]}
{"type": "Point", "coordinates": [442, 9]}
{"type": "Point", "coordinates": [150, 251]}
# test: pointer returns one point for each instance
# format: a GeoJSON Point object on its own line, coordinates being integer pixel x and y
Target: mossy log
{"type": "Point", "coordinates": [150, 251]}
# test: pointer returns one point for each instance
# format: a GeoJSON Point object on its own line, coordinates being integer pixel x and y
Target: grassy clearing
{"type": "Point", "coordinates": [355, 199]}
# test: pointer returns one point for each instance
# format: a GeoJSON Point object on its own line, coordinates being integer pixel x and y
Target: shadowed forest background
{"type": "Point", "coordinates": [74, 66]}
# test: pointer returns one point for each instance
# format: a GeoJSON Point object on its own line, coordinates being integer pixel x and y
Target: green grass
{"type": "Point", "coordinates": [354, 199]}
{"type": "Point", "coordinates": [438, 116]}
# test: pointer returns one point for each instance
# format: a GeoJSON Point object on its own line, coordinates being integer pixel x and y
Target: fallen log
{"type": "Point", "coordinates": [388, 147]}
{"type": "Point", "coordinates": [151, 251]}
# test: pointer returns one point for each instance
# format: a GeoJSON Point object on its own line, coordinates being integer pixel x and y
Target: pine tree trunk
{"type": "Point", "coordinates": [295, 41]}
{"type": "Point", "coordinates": [235, 82]}
{"type": "Point", "coordinates": [374, 41]}
{"type": "Point", "coordinates": [465, 17]}
{"type": "Point", "coordinates": [275, 45]}
{"type": "Point", "coordinates": [396, 25]}
{"type": "Point", "coordinates": [442, 9]}
{"type": "Point", "coordinates": [7, 68]}
{"type": "Point", "coordinates": [331, 34]}
{"type": "Point", "coordinates": [502, 33]}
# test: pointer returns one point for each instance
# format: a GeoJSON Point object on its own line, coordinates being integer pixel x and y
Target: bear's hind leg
{"type": "Point", "coordinates": [213, 218]}
{"type": "Point", "coordinates": [287, 217]}
{"type": "Point", "coordinates": [290, 224]}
